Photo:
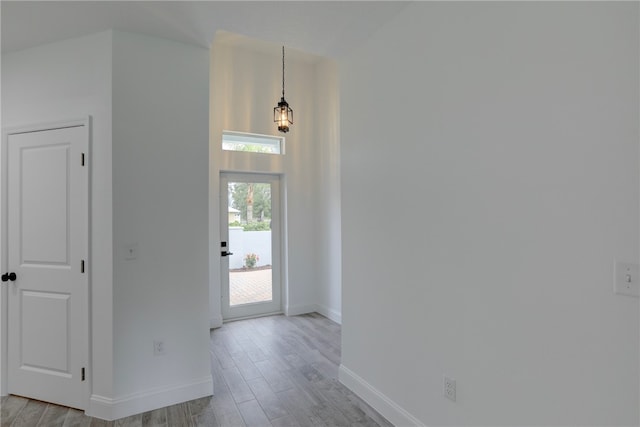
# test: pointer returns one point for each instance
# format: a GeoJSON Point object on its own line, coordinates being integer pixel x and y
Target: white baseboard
{"type": "Point", "coordinates": [295, 310]}
{"type": "Point", "coordinates": [330, 313]}
{"type": "Point", "coordinates": [215, 322]}
{"type": "Point", "coordinates": [112, 409]}
{"type": "Point", "coordinates": [378, 401]}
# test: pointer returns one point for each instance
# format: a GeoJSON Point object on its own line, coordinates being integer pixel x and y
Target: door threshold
{"type": "Point", "coordinates": [256, 316]}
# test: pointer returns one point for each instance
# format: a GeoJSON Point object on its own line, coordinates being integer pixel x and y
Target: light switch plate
{"type": "Point", "coordinates": [626, 280]}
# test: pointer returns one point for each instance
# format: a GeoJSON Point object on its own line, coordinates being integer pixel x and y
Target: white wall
{"type": "Point", "coordinates": [509, 134]}
{"type": "Point", "coordinates": [327, 189]}
{"type": "Point", "coordinates": [160, 188]}
{"type": "Point", "coordinates": [58, 82]}
{"type": "Point", "coordinates": [149, 185]}
{"type": "Point", "coordinates": [246, 78]}
{"type": "Point", "coordinates": [257, 242]}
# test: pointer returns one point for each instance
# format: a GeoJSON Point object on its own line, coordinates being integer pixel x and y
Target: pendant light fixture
{"type": "Point", "coordinates": [282, 113]}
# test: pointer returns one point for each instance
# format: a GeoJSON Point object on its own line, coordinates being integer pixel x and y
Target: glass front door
{"type": "Point", "coordinates": [250, 245]}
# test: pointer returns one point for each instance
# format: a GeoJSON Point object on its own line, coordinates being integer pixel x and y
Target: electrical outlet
{"type": "Point", "coordinates": [158, 348]}
{"type": "Point", "coordinates": [449, 388]}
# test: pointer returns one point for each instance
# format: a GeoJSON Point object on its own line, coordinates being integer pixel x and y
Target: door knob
{"type": "Point", "coordinates": [9, 276]}
{"type": "Point", "coordinates": [225, 253]}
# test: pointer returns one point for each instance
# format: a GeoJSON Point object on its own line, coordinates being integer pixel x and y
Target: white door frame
{"type": "Point", "coordinates": [4, 249]}
{"type": "Point", "coordinates": [278, 234]}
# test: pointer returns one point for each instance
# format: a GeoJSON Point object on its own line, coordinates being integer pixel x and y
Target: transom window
{"type": "Point", "coordinates": [252, 142]}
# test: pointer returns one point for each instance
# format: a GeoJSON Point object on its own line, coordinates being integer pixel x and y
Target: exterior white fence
{"type": "Point", "coordinates": [243, 242]}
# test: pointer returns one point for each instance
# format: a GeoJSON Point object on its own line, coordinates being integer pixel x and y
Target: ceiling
{"type": "Point", "coordinates": [326, 28]}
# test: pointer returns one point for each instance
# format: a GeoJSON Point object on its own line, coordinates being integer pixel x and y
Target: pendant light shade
{"type": "Point", "coordinates": [282, 113]}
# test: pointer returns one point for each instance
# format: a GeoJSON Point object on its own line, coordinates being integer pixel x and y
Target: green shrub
{"type": "Point", "coordinates": [257, 226]}
{"type": "Point", "coordinates": [250, 260]}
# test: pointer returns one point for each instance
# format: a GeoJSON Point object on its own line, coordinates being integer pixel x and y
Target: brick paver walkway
{"type": "Point", "coordinates": [249, 286]}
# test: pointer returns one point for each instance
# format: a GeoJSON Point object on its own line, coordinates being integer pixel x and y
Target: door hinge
{"type": "Point", "coordinates": [82, 266]}
{"type": "Point", "coordinates": [82, 159]}
{"type": "Point", "coordinates": [82, 374]}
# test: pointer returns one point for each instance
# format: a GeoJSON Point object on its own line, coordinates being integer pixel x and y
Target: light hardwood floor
{"type": "Point", "coordinates": [271, 371]}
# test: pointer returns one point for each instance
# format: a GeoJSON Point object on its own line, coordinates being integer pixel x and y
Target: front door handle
{"type": "Point", "coordinates": [225, 253]}
{"type": "Point", "coordinates": [9, 276]}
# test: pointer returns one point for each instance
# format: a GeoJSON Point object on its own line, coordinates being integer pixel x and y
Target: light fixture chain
{"type": "Point", "coordinates": [282, 113]}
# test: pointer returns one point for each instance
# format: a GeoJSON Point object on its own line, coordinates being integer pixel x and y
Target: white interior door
{"type": "Point", "coordinates": [250, 246]}
{"type": "Point", "coordinates": [47, 252]}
